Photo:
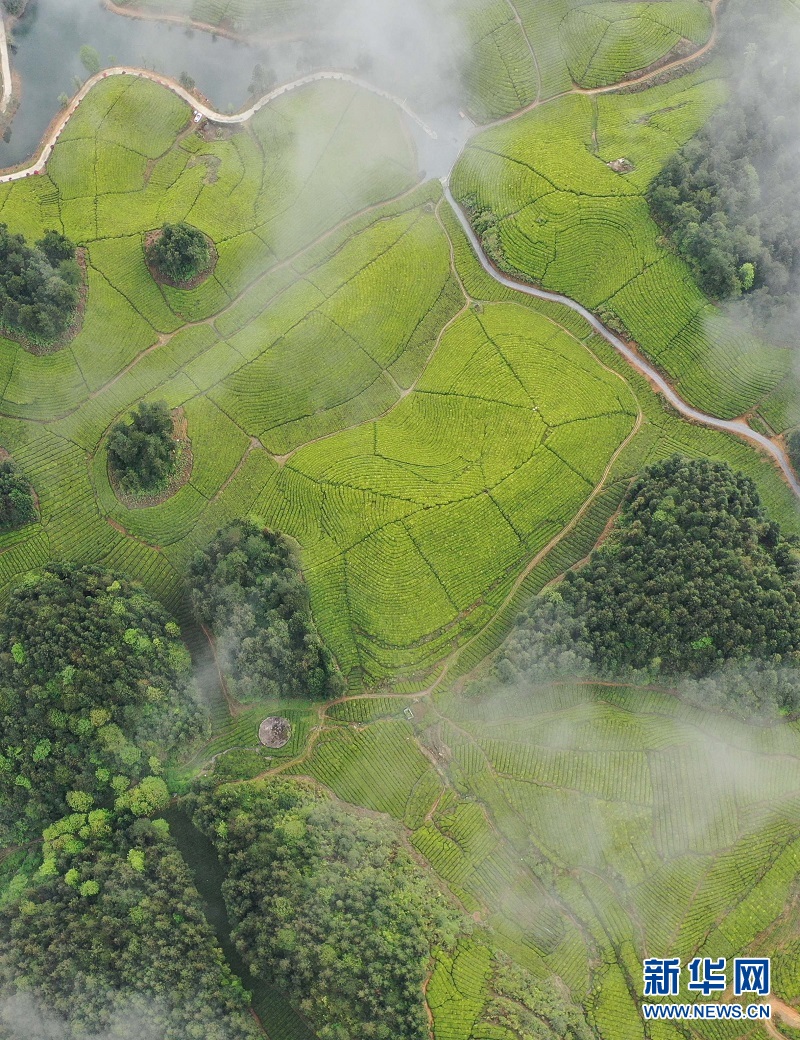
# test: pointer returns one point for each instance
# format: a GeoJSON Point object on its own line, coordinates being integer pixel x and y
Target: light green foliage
{"type": "Point", "coordinates": [568, 221]}
{"type": "Point", "coordinates": [149, 795]}
{"type": "Point", "coordinates": [604, 42]}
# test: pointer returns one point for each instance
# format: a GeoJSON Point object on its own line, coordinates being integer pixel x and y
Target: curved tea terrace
{"type": "Point", "coordinates": [734, 426]}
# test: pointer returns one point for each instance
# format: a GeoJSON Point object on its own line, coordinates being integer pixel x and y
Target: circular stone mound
{"type": "Point", "coordinates": [274, 732]}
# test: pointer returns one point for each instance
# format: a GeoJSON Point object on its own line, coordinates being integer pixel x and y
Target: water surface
{"type": "Point", "coordinates": [46, 47]}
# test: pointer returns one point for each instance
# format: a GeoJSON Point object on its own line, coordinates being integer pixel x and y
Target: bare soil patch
{"type": "Point", "coordinates": [275, 732]}
{"type": "Point", "coordinates": [181, 473]}
{"type": "Point", "coordinates": [161, 279]}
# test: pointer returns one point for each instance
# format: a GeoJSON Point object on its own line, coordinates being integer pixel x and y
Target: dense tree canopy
{"type": "Point", "coordinates": [109, 938]}
{"type": "Point", "coordinates": [142, 453]}
{"type": "Point", "coordinates": [16, 498]}
{"type": "Point", "coordinates": [793, 448]}
{"type": "Point", "coordinates": [727, 198]}
{"type": "Point", "coordinates": [180, 252]}
{"type": "Point", "coordinates": [329, 907]}
{"type": "Point", "coordinates": [694, 575]}
{"type": "Point", "coordinates": [39, 287]}
{"type": "Point", "coordinates": [527, 1009]}
{"type": "Point", "coordinates": [248, 587]}
{"type": "Point", "coordinates": [94, 692]}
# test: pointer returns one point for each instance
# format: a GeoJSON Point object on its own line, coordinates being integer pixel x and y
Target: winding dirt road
{"type": "Point", "coordinates": [49, 143]}
{"type": "Point", "coordinates": [734, 426]}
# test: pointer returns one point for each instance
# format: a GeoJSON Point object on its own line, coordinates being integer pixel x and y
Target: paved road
{"type": "Point", "coordinates": [735, 426]}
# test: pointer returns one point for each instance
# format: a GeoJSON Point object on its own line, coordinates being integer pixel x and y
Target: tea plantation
{"type": "Point", "coordinates": [440, 448]}
{"type": "Point", "coordinates": [588, 827]}
{"type": "Point", "coordinates": [420, 451]}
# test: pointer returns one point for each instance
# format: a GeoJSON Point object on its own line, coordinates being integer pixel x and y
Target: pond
{"type": "Point", "coordinates": [46, 55]}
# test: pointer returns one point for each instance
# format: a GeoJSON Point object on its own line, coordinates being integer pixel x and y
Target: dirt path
{"type": "Point", "coordinates": [785, 1013]}
{"type": "Point", "coordinates": [678, 63]}
{"type": "Point", "coordinates": [644, 77]}
{"type": "Point", "coordinates": [49, 143]}
{"type": "Point", "coordinates": [635, 360]}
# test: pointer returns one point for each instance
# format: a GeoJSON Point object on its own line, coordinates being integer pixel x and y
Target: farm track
{"type": "Point", "coordinates": [737, 427]}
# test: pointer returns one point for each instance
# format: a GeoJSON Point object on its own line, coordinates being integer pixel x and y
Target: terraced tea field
{"type": "Point", "coordinates": [587, 827]}
{"type": "Point", "coordinates": [348, 374]}
{"type": "Point", "coordinates": [441, 448]}
{"type": "Point", "coordinates": [571, 223]}
{"type": "Point", "coordinates": [510, 54]}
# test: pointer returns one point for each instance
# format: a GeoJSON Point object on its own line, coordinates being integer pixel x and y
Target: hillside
{"type": "Point", "coordinates": [382, 440]}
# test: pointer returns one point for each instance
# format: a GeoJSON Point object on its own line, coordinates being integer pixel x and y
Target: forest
{"type": "Point", "coordinates": [109, 937]}
{"type": "Point", "coordinates": [39, 286]}
{"type": "Point", "coordinates": [727, 198]}
{"type": "Point", "coordinates": [329, 907]}
{"type": "Point", "coordinates": [95, 692]}
{"type": "Point", "coordinates": [141, 453]}
{"type": "Point", "coordinates": [248, 587]}
{"type": "Point", "coordinates": [103, 930]}
{"type": "Point", "coordinates": [694, 577]}
{"type": "Point", "coordinates": [17, 506]}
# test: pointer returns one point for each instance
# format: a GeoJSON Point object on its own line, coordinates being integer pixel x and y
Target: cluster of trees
{"type": "Point", "coordinates": [90, 59]}
{"type": "Point", "coordinates": [525, 1009]}
{"type": "Point", "coordinates": [727, 198]}
{"type": "Point", "coordinates": [179, 253]}
{"type": "Point", "coordinates": [39, 286]}
{"type": "Point", "coordinates": [248, 587]}
{"type": "Point", "coordinates": [102, 932]}
{"type": "Point", "coordinates": [16, 498]}
{"type": "Point", "coordinates": [327, 906]}
{"type": "Point", "coordinates": [95, 692]}
{"type": "Point", "coordinates": [142, 452]}
{"type": "Point", "coordinates": [108, 938]}
{"type": "Point", "coordinates": [793, 449]}
{"type": "Point", "coordinates": [694, 576]}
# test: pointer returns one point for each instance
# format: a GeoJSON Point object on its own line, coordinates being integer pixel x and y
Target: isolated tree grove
{"type": "Point", "coordinates": [142, 453]}
{"type": "Point", "coordinates": [179, 253]}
